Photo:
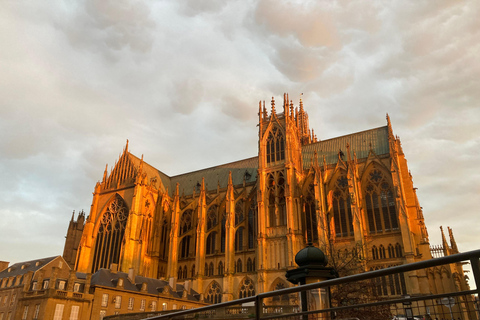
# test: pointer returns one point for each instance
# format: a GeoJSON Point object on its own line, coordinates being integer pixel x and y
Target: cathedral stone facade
{"type": "Point", "coordinates": [233, 230]}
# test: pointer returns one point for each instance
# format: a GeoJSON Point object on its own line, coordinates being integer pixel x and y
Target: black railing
{"type": "Point", "coordinates": [426, 306]}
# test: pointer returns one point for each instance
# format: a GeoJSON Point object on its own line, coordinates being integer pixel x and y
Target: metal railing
{"type": "Point", "coordinates": [399, 307]}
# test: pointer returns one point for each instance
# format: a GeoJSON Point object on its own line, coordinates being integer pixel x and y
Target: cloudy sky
{"type": "Point", "coordinates": [182, 80]}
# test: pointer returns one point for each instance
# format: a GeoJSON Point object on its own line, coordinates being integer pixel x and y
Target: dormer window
{"type": "Point", "coordinates": [275, 146]}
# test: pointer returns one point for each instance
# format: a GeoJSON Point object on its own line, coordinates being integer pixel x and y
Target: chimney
{"type": "Point", "coordinates": [114, 267]}
{"type": "Point", "coordinates": [131, 275]}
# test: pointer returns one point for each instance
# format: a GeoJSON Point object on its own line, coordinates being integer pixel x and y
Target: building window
{"type": "Point", "coordinates": [382, 251]}
{"type": "Point", "coordinates": [210, 269]}
{"type": "Point", "coordinates": [246, 289]}
{"type": "Point", "coordinates": [250, 265]}
{"type": "Point", "coordinates": [12, 301]}
{"type": "Point", "coordinates": [110, 234]}
{"type": "Point", "coordinates": [76, 287]}
{"type": "Point", "coordinates": [164, 306]}
{"type": "Point", "coordinates": [252, 213]}
{"type": "Point", "coordinates": [239, 212]}
{"type": "Point", "coordinates": [58, 315]}
{"type": "Point", "coordinates": [214, 293]}
{"type": "Point", "coordinates": [174, 307]}
{"type": "Point", "coordinates": [275, 146]}
{"type": "Point", "coordinates": [211, 242]}
{"type": "Point", "coordinates": [342, 210]}
{"type": "Point", "coordinates": [104, 299]}
{"type": "Point", "coordinates": [185, 247]}
{"type": "Point", "coordinates": [185, 222]}
{"type": "Point", "coordinates": [153, 306]}
{"type": "Point", "coordinates": [238, 266]}
{"type": "Point", "coordinates": [25, 313]}
{"type": "Point", "coordinates": [36, 312]}
{"type": "Point", "coordinates": [118, 302]}
{"type": "Point", "coordinates": [61, 285]}
{"type": "Point", "coordinates": [380, 204]}
{"type": "Point", "coordinates": [74, 313]}
{"type": "Point", "coordinates": [239, 239]}
{"type": "Point", "coordinates": [398, 250]}
{"type": "Point", "coordinates": [34, 285]}
{"type": "Point", "coordinates": [142, 305]}
{"type": "Point", "coordinates": [222, 234]}
{"type": "Point", "coordinates": [193, 271]}
{"type": "Point", "coordinates": [310, 215]}
{"type": "Point", "coordinates": [130, 303]}
{"type": "Point", "coordinates": [103, 313]}
{"type": "Point", "coordinates": [221, 270]}
{"type": "Point", "coordinates": [374, 253]}
{"type": "Point", "coordinates": [277, 214]}
{"type": "Point", "coordinates": [212, 217]}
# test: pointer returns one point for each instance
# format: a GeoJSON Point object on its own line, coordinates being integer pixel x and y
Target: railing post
{"type": "Point", "coordinates": [475, 263]}
{"type": "Point", "coordinates": [258, 307]}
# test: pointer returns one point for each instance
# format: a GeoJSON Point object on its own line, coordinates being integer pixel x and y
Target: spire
{"type": "Point", "coordinates": [105, 174]}
{"type": "Point", "coordinates": [126, 147]}
{"type": "Point", "coordinates": [273, 107]}
{"type": "Point", "coordinates": [73, 215]}
{"type": "Point", "coordinates": [260, 111]}
{"type": "Point", "coordinates": [444, 243]}
{"type": "Point", "coordinates": [453, 244]}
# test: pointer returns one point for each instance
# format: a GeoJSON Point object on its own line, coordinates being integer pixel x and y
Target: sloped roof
{"type": "Point", "coordinates": [217, 175]}
{"type": "Point", "coordinates": [359, 142]}
{"type": "Point", "coordinates": [16, 269]}
{"type": "Point", "coordinates": [107, 278]}
{"type": "Point", "coordinates": [151, 171]}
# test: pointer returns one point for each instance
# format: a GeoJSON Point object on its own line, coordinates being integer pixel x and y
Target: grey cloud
{"type": "Point", "coordinates": [109, 26]}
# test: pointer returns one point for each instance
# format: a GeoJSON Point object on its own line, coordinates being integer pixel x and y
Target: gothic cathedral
{"type": "Point", "coordinates": [233, 230]}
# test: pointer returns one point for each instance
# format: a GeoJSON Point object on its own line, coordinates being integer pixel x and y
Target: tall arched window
{"type": "Point", "coordinates": [185, 275]}
{"type": "Point", "coordinates": [246, 289]}
{"type": "Point", "coordinates": [342, 210]}
{"type": "Point", "coordinates": [193, 271]}
{"type": "Point", "coordinates": [221, 270]}
{"type": "Point", "coordinates": [214, 293]}
{"type": "Point", "coordinates": [239, 266]}
{"type": "Point", "coordinates": [275, 146]}
{"type": "Point", "coordinates": [398, 250]}
{"type": "Point", "coordinates": [185, 247]}
{"type": "Point", "coordinates": [391, 251]}
{"type": "Point", "coordinates": [212, 217]}
{"type": "Point", "coordinates": [185, 222]}
{"type": "Point", "coordinates": [239, 239]}
{"type": "Point", "coordinates": [239, 212]}
{"type": "Point", "coordinates": [210, 269]}
{"type": "Point", "coordinates": [110, 234]}
{"type": "Point", "coordinates": [180, 273]}
{"type": "Point", "coordinates": [211, 242]}
{"type": "Point", "coordinates": [380, 204]}
{"type": "Point", "coordinates": [277, 212]}
{"type": "Point", "coordinates": [374, 253]}
{"type": "Point", "coordinates": [165, 238]}
{"type": "Point", "coordinates": [252, 213]}
{"type": "Point", "coordinates": [250, 265]}
{"type": "Point", "coordinates": [382, 251]}
{"type": "Point", "coordinates": [222, 234]}
{"type": "Point", "coordinates": [311, 225]}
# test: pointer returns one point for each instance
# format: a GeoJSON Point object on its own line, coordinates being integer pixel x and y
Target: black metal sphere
{"type": "Point", "coordinates": [310, 256]}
